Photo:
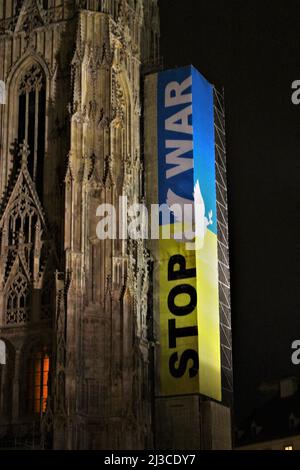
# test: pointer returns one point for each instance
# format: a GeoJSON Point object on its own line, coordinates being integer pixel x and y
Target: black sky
{"type": "Point", "coordinates": [253, 49]}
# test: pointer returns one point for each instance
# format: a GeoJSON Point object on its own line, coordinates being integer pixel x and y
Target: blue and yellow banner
{"type": "Point", "coordinates": [186, 278]}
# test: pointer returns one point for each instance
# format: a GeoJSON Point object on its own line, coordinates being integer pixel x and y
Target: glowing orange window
{"type": "Point", "coordinates": [38, 381]}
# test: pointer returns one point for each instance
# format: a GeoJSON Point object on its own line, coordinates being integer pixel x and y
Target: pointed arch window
{"type": "Point", "coordinates": [31, 125]}
{"type": "Point", "coordinates": [18, 301]}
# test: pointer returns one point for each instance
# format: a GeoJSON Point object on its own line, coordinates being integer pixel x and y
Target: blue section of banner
{"type": "Point", "coordinates": [182, 184]}
{"type": "Point", "coordinates": [204, 144]}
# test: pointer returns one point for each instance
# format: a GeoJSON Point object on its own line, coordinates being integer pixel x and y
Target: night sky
{"type": "Point", "coordinates": [252, 48]}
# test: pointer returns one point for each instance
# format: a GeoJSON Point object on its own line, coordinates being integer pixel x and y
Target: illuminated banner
{"type": "Point", "coordinates": [186, 275]}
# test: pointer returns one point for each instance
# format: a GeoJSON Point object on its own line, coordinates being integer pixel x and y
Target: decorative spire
{"type": "Point", "coordinates": [24, 153]}
{"type": "Point", "coordinates": [30, 16]}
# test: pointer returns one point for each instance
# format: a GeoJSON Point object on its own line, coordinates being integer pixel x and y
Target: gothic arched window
{"type": "Point", "coordinates": [18, 301]}
{"type": "Point", "coordinates": [31, 125]}
{"type": "Point", "coordinates": [38, 375]}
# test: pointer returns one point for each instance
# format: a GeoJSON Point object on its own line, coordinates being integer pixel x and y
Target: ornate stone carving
{"type": "Point", "coordinates": [118, 101]}
{"type": "Point", "coordinates": [98, 74]}
{"type": "Point", "coordinates": [24, 245]}
{"type": "Point", "coordinates": [31, 80]}
{"type": "Point", "coordinates": [30, 17]}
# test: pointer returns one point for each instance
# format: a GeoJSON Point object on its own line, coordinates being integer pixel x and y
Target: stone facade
{"type": "Point", "coordinates": [74, 312]}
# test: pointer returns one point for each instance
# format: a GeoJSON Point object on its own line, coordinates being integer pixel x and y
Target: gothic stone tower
{"type": "Point", "coordinates": [73, 308]}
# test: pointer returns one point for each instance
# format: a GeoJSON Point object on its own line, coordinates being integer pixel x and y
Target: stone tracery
{"type": "Point", "coordinates": [100, 88]}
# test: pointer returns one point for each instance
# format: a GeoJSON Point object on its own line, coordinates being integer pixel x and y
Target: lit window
{"type": "Point", "coordinates": [288, 448]}
{"type": "Point", "coordinates": [38, 381]}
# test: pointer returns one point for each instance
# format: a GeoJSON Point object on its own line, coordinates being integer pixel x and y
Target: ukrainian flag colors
{"type": "Point", "coordinates": [186, 271]}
